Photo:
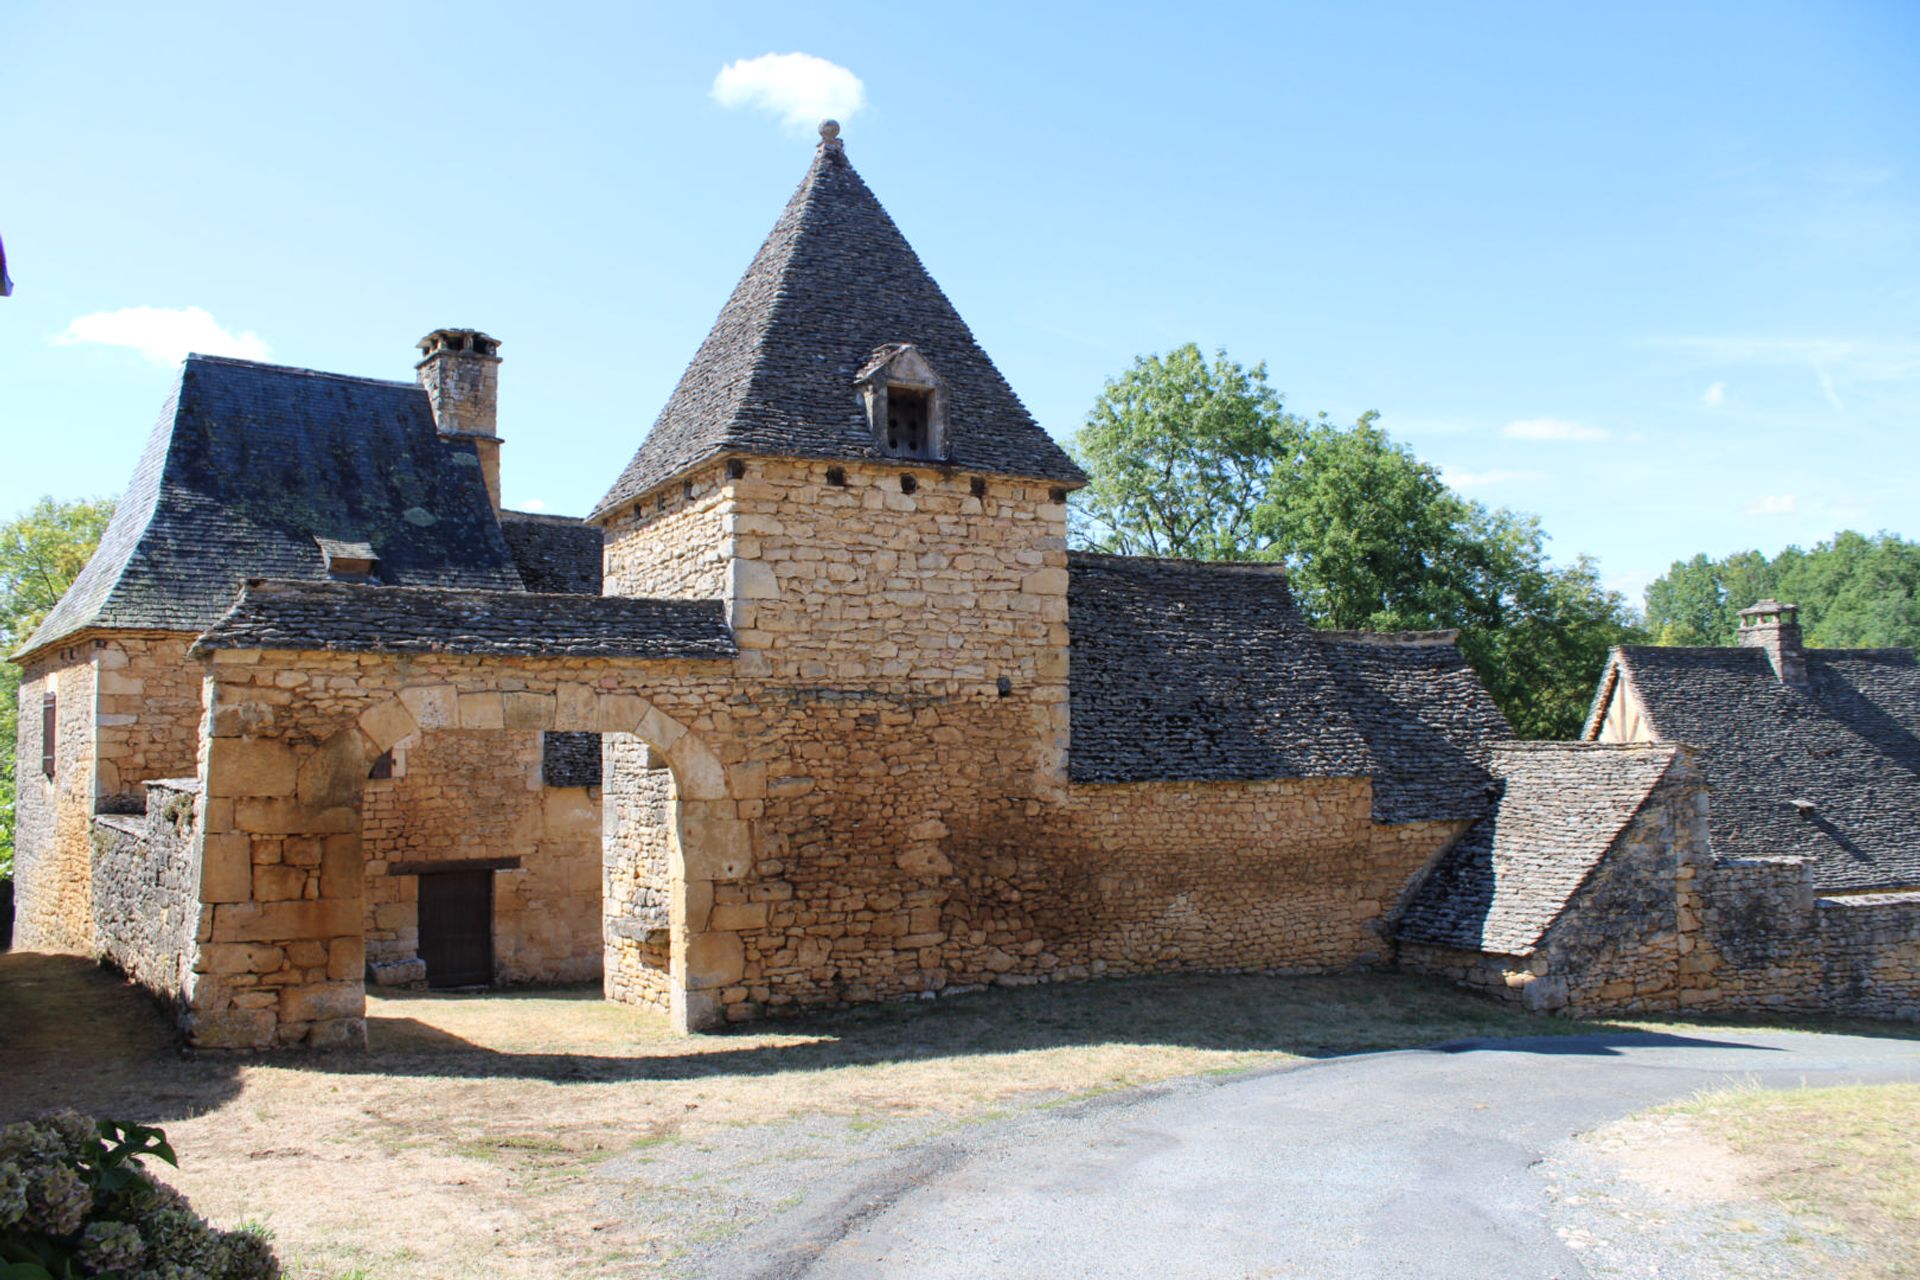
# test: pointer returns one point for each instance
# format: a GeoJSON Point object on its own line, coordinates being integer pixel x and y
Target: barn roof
{"type": "Point", "coordinates": [1207, 672]}
{"type": "Point", "coordinates": [1562, 806]}
{"type": "Point", "coordinates": [834, 282]}
{"type": "Point", "coordinates": [1847, 744]}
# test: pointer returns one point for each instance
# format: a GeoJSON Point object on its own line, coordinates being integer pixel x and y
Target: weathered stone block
{"type": "Point", "coordinates": [322, 1001]}
{"type": "Point", "coordinates": [249, 767]}
{"type": "Point", "coordinates": [385, 723]}
{"type": "Point", "coordinates": [231, 1028]}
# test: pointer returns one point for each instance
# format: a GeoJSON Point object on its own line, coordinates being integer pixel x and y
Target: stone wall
{"type": "Point", "coordinates": [669, 544]}
{"type": "Point", "coordinates": [458, 795]}
{"type": "Point", "coordinates": [1768, 941]}
{"type": "Point", "coordinates": [53, 817]}
{"type": "Point", "coordinates": [638, 885]}
{"type": "Point", "coordinates": [146, 877]}
{"type": "Point", "coordinates": [149, 714]}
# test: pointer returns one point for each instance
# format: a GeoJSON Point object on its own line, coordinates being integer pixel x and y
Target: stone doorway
{"type": "Point", "coordinates": [456, 928]}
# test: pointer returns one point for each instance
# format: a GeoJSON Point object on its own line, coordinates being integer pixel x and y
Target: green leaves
{"type": "Point", "coordinates": [1854, 591]}
{"type": "Point", "coordinates": [42, 551]}
{"type": "Point", "coordinates": [1199, 459]}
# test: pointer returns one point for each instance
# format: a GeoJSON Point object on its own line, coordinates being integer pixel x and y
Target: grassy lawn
{"type": "Point", "coordinates": [545, 1133]}
{"type": "Point", "coordinates": [1845, 1159]}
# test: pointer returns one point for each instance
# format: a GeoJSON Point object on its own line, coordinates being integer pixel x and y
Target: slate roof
{"type": "Point", "coordinates": [1849, 742]}
{"type": "Point", "coordinates": [554, 553]}
{"type": "Point", "coordinates": [1563, 804]}
{"type": "Point", "coordinates": [570, 759]}
{"type": "Point", "coordinates": [834, 281]}
{"type": "Point", "coordinates": [352, 618]}
{"type": "Point", "coordinates": [1428, 722]}
{"type": "Point", "coordinates": [249, 464]}
{"type": "Point", "coordinates": [1207, 672]}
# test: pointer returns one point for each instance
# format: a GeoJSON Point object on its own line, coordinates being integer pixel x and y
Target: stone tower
{"type": "Point", "coordinates": [844, 466]}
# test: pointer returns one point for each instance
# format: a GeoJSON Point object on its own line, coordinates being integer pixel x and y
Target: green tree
{"type": "Point", "coordinates": [1188, 458]}
{"type": "Point", "coordinates": [42, 551]}
{"type": "Point", "coordinates": [1854, 591]}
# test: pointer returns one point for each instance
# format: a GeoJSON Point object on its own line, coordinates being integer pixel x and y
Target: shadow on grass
{"type": "Point", "coordinates": [72, 1033]}
{"type": "Point", "coordinates": [1306, 1017]}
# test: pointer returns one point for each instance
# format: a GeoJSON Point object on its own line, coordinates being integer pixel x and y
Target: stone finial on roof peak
{"type": "Point", "coordinates": [830, 135]}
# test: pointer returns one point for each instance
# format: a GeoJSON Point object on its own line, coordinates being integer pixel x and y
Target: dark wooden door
{"type": "Point", "coordinates": [456, 928]}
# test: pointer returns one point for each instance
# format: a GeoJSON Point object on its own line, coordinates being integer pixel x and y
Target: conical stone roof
{"type": "Point", "coordinates": [834, 282]}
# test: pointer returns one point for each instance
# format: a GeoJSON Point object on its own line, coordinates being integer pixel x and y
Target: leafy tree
{"type": "Point", "coordinates": [42, 550]}
{"type": "Point", "coordinates": [1188, 458]}
{"type": "Point", "coordinates": [1853, 591]}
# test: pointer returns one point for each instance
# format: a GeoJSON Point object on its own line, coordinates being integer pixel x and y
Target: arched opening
{"type": "Point", "coordinates": [287, 851]}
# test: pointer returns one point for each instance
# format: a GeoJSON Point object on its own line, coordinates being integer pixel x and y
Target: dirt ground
{"type": "Point", "coordinates": [1842, 1164]}
{"type": "Point", "coordinates": [544, 1132]}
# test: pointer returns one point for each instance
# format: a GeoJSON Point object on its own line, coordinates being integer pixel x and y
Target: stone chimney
{"type": "Point", "coordinates": [460, 370]}
{"type": "Point", "coordinates": [1771, 626]}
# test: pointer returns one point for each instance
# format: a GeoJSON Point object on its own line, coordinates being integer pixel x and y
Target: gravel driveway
{"type": "Point", "coordinates": [1421, 1163]}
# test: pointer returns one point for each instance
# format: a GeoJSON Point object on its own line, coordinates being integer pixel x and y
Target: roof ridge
{"type": "Point", "coordinates": [195, 357]}
{"type": "Point", "coordinates": [1275, 568]}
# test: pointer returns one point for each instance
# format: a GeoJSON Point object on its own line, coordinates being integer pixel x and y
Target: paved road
{"type": "Point", "coordinates": [1408, 1164]}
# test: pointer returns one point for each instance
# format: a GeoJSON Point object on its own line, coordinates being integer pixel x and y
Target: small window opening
{"type": "Point", "coordinates": [1056, 495]}
{"type": "Point", "coordinates": [909, 413]}
{"type": "Point", "coordinates": [978, 486]}
{"type": "Point", "coordinates": [736, 468]}
{"type": "Point", "coordinates": [908, 484]}
{"type": "Point", "coordinates": [1005, 686]}
{"type": "Point", "coordinates": [382, 766]}
{"type": "Point", "coordinates": [49, 733]}
{"type": "Point", "coordinates": [837, 476]}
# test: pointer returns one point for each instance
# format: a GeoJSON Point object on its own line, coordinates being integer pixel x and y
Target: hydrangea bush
{"type": "Point", "coordinates": [76, 1202]}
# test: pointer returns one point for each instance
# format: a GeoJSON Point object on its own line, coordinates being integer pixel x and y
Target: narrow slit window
{"type": "Point", "coordinates": [49, 733]}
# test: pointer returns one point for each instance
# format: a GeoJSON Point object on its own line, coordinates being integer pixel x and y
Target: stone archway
{"type": "Point", "coordinates": [289, 740]}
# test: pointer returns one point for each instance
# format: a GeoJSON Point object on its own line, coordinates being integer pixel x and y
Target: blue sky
{"type": "Point", "coordinates": [1651, 272]}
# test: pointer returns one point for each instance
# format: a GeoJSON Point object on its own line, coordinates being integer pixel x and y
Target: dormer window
{"type": "Point", "coordinates": [905, 402]}
{"type": "Point", "coordinates": [348, 561]}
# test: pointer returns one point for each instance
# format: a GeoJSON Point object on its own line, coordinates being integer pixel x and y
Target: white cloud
{"type": "Point", "coordinates": [1773, 504]}
{"type": "Point", "coordinates": [1554, 429]}
{"type": "Point", "coordinates": [1714, 396]}
{"type": "Point", "coordinates": [163, 335]}
{"type": "Point", "coordinates": [534, 504]}
{"type": "Point", "coordinates": [1835, 363]}
{"type": "Point", "coordinates": [1463, 480]}
{"type": "Point", "coordinates": [801, 89]}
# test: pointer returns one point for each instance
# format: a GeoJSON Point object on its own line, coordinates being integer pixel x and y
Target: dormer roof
{"type": "Point", "coordinates": [832, 288]}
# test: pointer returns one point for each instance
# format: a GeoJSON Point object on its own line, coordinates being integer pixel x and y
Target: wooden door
{"type": "Point", "coordinates": [456, 928]}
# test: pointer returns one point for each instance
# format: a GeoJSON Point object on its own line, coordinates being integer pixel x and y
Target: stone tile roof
{"type": "Point", "coordinates": [1429, 724]}
{"type": "Point", "coordinates": [834, 281]}
{"type": "Point", "coordinates": [1208, 672]}
{"type": "Point", "coordinates": [365, 619]}
{"type": "Point", "coordinates": [1849, 743]}
{"type": "Point", "coordinates": [1562, 806]}
{"type": "Point", "coordinates": [555, 554]}
{"type": "Point", "coordinates": [249, 464]}
{"type": "Point", "coordinates": [570, 759]}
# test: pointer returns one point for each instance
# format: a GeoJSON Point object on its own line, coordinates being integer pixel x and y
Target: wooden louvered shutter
{"type": "Point", "coordinates": [49, 732]}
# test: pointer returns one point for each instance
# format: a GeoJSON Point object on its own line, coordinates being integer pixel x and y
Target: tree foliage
{"type": "Point", "coordinates": [1190, 458]}
{"type": "Point", "coordinates": [1854, 591]}
{"type": "Point", "coordinates": [42, 551]}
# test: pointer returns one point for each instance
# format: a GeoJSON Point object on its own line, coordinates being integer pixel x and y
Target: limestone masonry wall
{"type": "Point", "coordinates": [53, 817]}
{"type": "Point", "coordinates": [149, 715]}
{"type": "Point", "coordinates": [459, 794]}
{"type": "Point", "coordinates": [146, 908]}
{"type": "Point", "coordinates": [638, 873]}
{"type": "Point", "coordinates": [1768, 941]}
{"type": "Point", "coordinates": [669, 545]}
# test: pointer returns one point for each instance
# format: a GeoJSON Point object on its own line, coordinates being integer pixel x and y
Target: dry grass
{"type": "Point", "coordinates": [1845, 1159]}
{"type": "Point", "coordinates": [473, 1138]}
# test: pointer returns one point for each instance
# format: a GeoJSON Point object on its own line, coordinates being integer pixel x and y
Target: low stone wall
{"type": "Point", "coordinates": [1767, 941]}
{"type": "Point", "coordinates": [146, 879]}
